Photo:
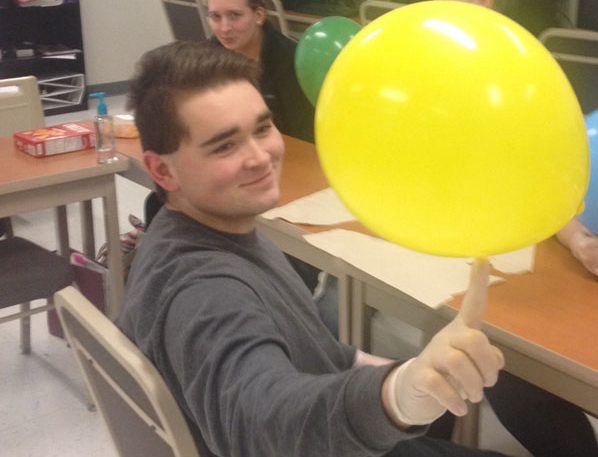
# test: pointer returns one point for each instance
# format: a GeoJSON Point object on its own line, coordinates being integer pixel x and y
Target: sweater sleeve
{"type": "Point", "coordinates": [240, 386]}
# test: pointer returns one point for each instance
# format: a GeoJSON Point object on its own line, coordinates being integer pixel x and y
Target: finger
{"type": "Point", "coordinates": [499, 357]}
{"type": "Point", "coordinates": [468, 383]}
{"type": "Point", "coordinates": [463, 375]}
{"type": "Point", "coordinates": [474, 303]}
{"type": "Point", "coordinates": [453, 382]}
{"type": "Point", "coordinates": [484, 357]}
{"type": "Point", "coordinates": [447, 395]}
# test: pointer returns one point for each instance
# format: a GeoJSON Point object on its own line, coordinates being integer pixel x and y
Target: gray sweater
{"type": "Point", "coordinates": [237, 338]}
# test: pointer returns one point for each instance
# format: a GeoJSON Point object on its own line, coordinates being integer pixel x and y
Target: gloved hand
{"type": "Point", "coordinates": [455, 366]}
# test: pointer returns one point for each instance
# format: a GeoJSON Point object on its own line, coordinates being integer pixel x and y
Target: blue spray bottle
{"type": "Point", "coordinates": [104, 131]}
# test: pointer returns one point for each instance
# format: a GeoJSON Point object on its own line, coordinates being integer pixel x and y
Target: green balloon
{"type": "Point", "coordinates": [318, 47]}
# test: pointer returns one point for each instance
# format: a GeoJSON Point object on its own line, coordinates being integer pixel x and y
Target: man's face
{"type": "Point", "coordinates": [227, 171]}
{"type": "Point", "coordinates": [234, 23]}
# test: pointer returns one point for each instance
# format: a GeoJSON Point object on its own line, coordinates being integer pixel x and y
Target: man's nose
{"type": "Point", "coordinates": [257, 155]}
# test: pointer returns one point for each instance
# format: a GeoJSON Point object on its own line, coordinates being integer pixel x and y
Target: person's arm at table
{"type": "Point", "coordinates": [582, 243]}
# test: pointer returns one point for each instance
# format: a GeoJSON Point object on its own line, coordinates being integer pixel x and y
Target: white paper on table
{"type": "Point", "coordinates": [430, 279]}
{"type": "Point", "coordinates": [515, 262]}
{"type": "Point", "coordinates": [320, 208]}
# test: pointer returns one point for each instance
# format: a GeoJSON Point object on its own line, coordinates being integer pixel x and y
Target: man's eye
{"type": "Point", "coordinates": [235, 15]}
{"type": "Point", "coordinates": [214, 16]}
{"type": "Point", "coordinates": [223, 148]}
{"type": "Point", "coordinates": [264, 129]}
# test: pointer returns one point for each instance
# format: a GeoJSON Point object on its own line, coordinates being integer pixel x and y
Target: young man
{"type": "Point", "coordinates": [227, 321]}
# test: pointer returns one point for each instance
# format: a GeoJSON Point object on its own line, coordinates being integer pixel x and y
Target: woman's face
{"type": "Point", "coordinates": [235, 24]}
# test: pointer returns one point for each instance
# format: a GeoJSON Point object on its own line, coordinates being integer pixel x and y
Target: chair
{"type": "Point", "coordinates": [576, 50]}
{"type": "Point", "coordinates": [20, 105]}
{"type": "Point", "coordinates": [141, 414]}
{"type": "Point", "coordinates": [29, 272]}
{"type": "Point", "coordinates": [276, 14]}
{"type": "Point", "coordinates": [371, 9]}
{"type": "Point", "coordinates": [182, 16]}
{"type": "Point", "coordinates": [202, 10]}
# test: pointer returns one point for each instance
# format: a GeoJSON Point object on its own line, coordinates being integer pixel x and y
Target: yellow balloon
{"type": "Point", "coordinates": [449, 129]}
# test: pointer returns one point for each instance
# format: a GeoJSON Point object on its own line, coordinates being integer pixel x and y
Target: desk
{"type": "Point", "coordinates": [28, 184]}
{"type": "Point", "coordinates": [545, 322]}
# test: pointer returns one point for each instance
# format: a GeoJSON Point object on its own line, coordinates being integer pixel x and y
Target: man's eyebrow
{"type": "Point", "coordinates": [221, 136]}
{"type": "Point", "coordinates": [265, 116]}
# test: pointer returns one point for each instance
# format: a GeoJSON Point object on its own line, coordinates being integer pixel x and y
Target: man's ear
{"type": "Point", "coordinates": [161, 170]}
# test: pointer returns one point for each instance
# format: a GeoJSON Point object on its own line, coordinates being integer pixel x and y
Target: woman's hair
{"type": "Point", "coordinates": [255, 4]}
{"type": "Point", "coordinates": [534, 15]}
{"type": "Point", "coordinates": [170, 74]}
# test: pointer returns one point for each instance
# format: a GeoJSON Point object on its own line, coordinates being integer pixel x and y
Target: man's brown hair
{"type": "Point", "coordinates": [168, 75]}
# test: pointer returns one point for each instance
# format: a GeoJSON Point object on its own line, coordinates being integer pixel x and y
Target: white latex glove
{"type": "Point", "coordinates": [455, 366]}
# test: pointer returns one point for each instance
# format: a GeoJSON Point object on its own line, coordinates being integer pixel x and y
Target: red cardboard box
{"type": "Point", "coordinates": [56, 139]}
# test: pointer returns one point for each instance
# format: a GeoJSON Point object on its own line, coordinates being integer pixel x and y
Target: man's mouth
{"type": "Point", "coordinates": [265, 178]}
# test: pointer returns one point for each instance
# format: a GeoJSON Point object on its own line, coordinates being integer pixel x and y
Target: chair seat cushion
{"type": "Point", "coordinates": [30, 272]}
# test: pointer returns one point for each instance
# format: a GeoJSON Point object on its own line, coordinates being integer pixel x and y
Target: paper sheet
{"type": "Point", "coordinates": [320, 208]}
{"type": "Point", "coordinates": [325, 208]}
{"type": "Point", "coordinates": [516, 262]}
{"type": "Point", "coordinates": [430, 279]}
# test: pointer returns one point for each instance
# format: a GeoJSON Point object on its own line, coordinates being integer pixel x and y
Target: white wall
{"type": "Point", "coordinates": [117, 32]}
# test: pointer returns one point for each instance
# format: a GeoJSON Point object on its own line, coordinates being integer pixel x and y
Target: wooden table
{"type": "Point", "coordinates": [545, 322]}
{"type": "Point", "coordinates": [28, 184]}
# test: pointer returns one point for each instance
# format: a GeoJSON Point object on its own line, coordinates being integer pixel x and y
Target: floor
{"type": "Point", "coordinates": [43, 411]}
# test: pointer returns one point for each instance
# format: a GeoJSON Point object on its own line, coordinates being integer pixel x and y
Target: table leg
{"type": "Point", "coordinates": [115, 290]}
{"type": "Point", "coordinates": [358, 314]}
{"type": "Point", "coordinates": [466, 430]}
{"type": "Point", "coordinates": [62, 230]}
{"type": "Point", "coordinates": [344, 308]}
{"type": "Point", "coordinates": [87, 232]}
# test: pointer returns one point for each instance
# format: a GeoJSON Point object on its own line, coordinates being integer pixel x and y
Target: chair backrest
{"type": "Point", "coordinates": [20, 105]}
{"type": "Point", "coordinates": [202, 9]}
{"type": "Point", "coordinates": [138, 408]}
{"type": "Point", "coordinates": [186, 20]}
{"type": "Point", "coordinates": [576, 50]}
{"type": "Point", "coordinates": [371, 9]}
{"type": "Point", "coordinates": [276, 14]}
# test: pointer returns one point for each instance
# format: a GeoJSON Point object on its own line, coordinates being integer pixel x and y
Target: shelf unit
{"type": "Point", "coordinates": [62, 91]}
{"type": "Point", "coordinates": [61, 75]}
